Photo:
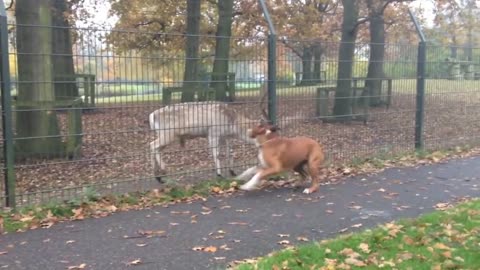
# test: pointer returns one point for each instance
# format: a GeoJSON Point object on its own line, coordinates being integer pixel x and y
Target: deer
{"type": "Point", "coordinates": [216, 121]}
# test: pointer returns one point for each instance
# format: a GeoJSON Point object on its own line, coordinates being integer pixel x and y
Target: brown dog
{"type": "Point", "coordinates": [279, 154]}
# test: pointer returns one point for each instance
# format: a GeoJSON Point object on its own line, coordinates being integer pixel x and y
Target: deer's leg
{"type": "Point", "coordinates": [229, 158]}
{"type": "Point", "coordinates": [214, 143]}
{"type": "Point", "coordinates": [163, 140]}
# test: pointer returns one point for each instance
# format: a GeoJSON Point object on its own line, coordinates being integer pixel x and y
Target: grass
{"type": "Point", "coordinates": [400, 86]}
{"type": "Point", "coordinates": [439, 240]}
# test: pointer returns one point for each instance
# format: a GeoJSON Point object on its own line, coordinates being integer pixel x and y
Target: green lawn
{"type": "Point", "coordinates": [135, 92]}
{"type": "Point", "coordinates": [439, 240]}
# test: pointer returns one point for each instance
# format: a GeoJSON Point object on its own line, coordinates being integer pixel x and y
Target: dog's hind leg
{"type": "Point", "coordinates": [315, 162]}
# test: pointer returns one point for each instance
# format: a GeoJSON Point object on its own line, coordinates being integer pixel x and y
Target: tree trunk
{"type": "Point", "coordinates": [375, 74]}
{"type": "Point", "coordinates": [317, 63]}
{"type": "Point", "coordinates": [62, 57]}
{"type": "Point", "coordinates": [307, 77]}
{"type": "Point", "coordinates": [343, 95]}
{"type": "Point", "coordinates": [192, 45]}
{"type": "Point", "coordinates": [222, 49]}
{"type": "Point", "coordinates": [36, 125]}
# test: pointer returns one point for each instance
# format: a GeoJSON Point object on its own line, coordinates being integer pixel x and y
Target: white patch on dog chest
{"type": "Point", "coordinates": [261, 159]}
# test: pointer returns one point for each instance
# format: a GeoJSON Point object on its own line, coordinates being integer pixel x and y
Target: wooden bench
{"type": "Point", "coordinates": [87, 83]}
{"type": "Point", "coordinates": [230, 84]}
{"type": "Point", "coordinates": [361, 99]}
{"type": "Point", "coordinates": [322, 78]}
{"type": "Point", "coordinates": [323, 99]}
{"type": "Point", "coordinates": [202, 94]}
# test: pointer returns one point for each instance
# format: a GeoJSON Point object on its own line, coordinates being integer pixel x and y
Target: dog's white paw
{"type": "Point", "coordinates": [306, 191]}
{"type": "Point", "coordinates": [246, 187]}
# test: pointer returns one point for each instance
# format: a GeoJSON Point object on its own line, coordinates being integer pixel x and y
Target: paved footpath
{"type": "Point", "coordinates": [246, 225]}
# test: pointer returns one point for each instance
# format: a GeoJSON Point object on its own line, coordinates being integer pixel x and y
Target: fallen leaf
{"type": "Point", "coordinates": [70, 242]}
{"type": "Point", "coordinates": [216, 190]}
{"type": "Point", "coordinates": [135, 262]}
{"type": "Point", "coordinates": [74, 267]}
{"type": "Point", "coordinates": [349, 252]}
{"type": "Point", "coordinates": [3, 253]}
{"type": "Point", "coordinates": [407, 240]}
{"type": "Point", "coordinates": [355, 262]}
{"type": "Point", "coordinates": [441, 246]}
{"type": "Point", "coordinates": [447, 254]}
{"type": "Point", "coordinates": [173, 224]}
{"type": "Point", "coordinates": [364, 247]}
{"type": "Point", "coordinates": [225, 247]}
{"type": "Point", "coordinates": [238, 223]}
{"type": "Point", "coordinates": [405, 256]}
{"type": "Point", "coordinates": [219, 258]}
{"type": "Point", "coordinates": [141, 245]}
{"type": "Point", "coordinates": [30, 218]}
{"type": "Point", "coordinates": [179, 212]}
{"type": "Point", "coordinates": [210, 249]}
{"type": "Point", "coordinates": [381, 190]}
{"type": "Point", "coordinates": [284, 242]}
{"type": "Point", "coordinates": [343, 230]}
{"type": "Point", "coordinates": [277, 215]}
{"type": "Point", "coordinates": [198, 248]}
{"type": "Point", "coordinates": [150, 234]}
{"type": "Point", "coordinates": [442, 206]}
{"type": "Point", "coordinates": [78, 214]}
{"type": "Point", "coordinates": [283, 235]}
{"type": "Point", "coordinates": [329, 211]}
{"type": "Point", "coordinates": [357, 225]}
{"type": "Point", "coordinates": [303, 239]}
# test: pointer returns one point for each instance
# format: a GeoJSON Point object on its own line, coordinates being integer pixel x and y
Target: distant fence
{"type": "Point", "coordinates": [83, 127]}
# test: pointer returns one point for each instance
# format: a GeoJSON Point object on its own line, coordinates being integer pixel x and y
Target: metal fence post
{"type": "Point", "coordinates": [420, 99]}
{"type": "Point", "coordinates": [272, 66]}
{"type": "Point", "coordinates": [272, 81]}
{"type": "Point", "coordinates": [8, 151]}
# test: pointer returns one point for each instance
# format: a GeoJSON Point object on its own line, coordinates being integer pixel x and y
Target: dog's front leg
{"type": "Point", "coordinates": [261, 174]}
{"type": "Point", "coordinates": [250, 185]}
{"type": "Point", "coordinates": [248, 173]}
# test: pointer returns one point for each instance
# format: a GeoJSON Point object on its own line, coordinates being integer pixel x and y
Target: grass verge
{"type": "Point", "coordinates": [440, 240]}
{"type": "Point", "coordinates": [91, 205]}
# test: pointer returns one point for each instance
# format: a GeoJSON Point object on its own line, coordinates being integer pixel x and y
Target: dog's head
{"type": "Point", "coordinates": [263, 132]}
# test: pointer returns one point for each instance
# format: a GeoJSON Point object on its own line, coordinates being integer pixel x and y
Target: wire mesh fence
{"type": "Point", "coordinates": [82, 106]}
